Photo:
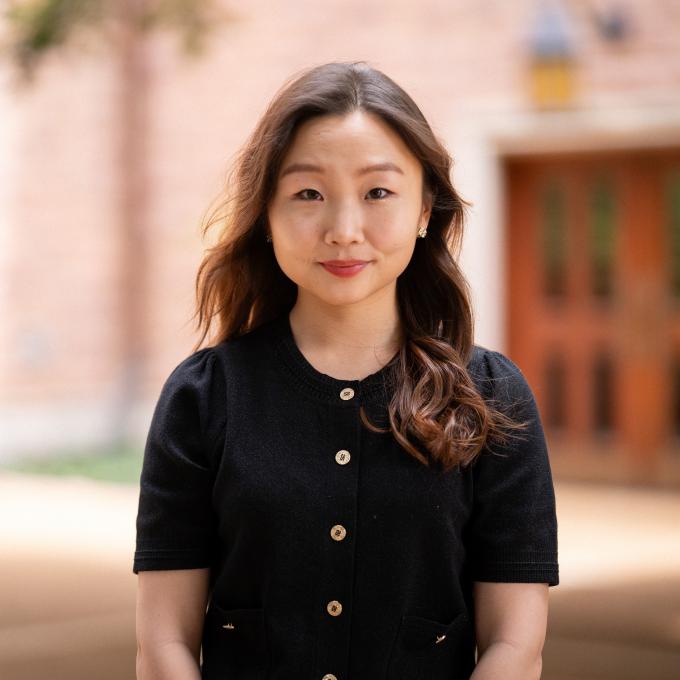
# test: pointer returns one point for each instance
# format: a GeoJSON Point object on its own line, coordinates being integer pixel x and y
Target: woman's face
{"type": "Point", "coordinates": [330, 205]}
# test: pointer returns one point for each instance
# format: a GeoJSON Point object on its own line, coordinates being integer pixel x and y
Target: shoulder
{"type": "Point", "coordinates": [222, 361]}
{"type": "Point", "coordinates": [191, 409]}
{"type": "Point", "coordinates": [506, 389]}
{"type": "Point", "coordinates": [212, 375]}
{"type": "Point", "coordinates": [195, 388]}
{"type": "Point", "coordinates": [498, 376]}
{"type": "Point", "coordinates": [195, 372]}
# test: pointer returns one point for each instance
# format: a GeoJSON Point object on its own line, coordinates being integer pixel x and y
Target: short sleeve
{"type": "Point", "coordinates": [176, 524]}
{"type": "Point", "coordinates": [512, 531]}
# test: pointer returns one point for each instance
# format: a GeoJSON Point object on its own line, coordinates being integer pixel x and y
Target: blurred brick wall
{"type": "Point", "coordinates": [60, 356]}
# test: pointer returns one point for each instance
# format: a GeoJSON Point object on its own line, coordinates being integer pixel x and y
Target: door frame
{"type": "Point", "coordinates": [481, 142]}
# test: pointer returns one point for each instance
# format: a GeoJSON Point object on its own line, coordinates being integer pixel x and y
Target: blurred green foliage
{"type": "Point", "coordinates": [121, 464]}
{"type": "Point", "coordinates": [34, 27]}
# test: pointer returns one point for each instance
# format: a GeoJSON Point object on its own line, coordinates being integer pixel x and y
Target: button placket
{"type": "Point", "coordinates": [342, 399]}
{"type": "Point", "coordinates": [338, 532]}
{"type": "Point", "coordinates": [341, 560]}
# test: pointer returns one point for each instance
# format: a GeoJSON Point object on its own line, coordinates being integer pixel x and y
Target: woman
{"type": "Point", "coordinates": [350, 486]}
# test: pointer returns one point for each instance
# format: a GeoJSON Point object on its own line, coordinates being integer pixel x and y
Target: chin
{"type": "Point", "coordinates": [342, 298]}
{"type": "Point", "coordinates": [341, 301]}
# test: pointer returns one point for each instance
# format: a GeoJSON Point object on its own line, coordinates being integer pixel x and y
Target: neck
{"type": "Point", "coordinates": [347, 331]}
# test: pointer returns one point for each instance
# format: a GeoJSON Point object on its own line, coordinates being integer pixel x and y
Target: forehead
{"type": "Point", "coordinates": [353, 140]}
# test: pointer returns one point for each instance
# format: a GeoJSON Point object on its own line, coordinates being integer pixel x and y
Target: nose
{"type": "Point", "coordinates": [345, 223]}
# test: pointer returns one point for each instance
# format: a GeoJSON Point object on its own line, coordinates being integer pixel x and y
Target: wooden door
{"type": "Point", "coordinates": [593, 266]}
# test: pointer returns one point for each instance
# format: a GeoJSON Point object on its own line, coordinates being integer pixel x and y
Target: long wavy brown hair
{"type": "Point", "coordinates": [436, 413]}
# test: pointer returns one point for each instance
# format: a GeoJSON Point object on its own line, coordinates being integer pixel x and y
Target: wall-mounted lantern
{"type": "Point", "coordinates": [552, 56]}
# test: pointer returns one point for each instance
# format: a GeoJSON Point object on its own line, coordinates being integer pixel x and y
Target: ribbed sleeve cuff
{"type": "Point", "coordinates": [154, 559]}
{"type": "Point", "coordinates": [517, 572]}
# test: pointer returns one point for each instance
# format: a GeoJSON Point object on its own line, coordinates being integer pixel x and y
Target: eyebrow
{"type": "Point", "coordinates": [310, 167]}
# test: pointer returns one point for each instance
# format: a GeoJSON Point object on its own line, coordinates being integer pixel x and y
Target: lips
{"type": "Point", "coordinates": [344, 268]}
{"type": "Point", "coordinates": [344, 263]}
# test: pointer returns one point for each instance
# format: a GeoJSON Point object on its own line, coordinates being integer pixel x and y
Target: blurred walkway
{"type": "Point", "coordinates": [616, 612]}
{"type": "Point", "coordinates": [66, 583]}
{"type": "Point", "coordinates": [68, 592]}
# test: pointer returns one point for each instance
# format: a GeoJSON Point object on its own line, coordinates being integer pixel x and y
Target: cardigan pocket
{"type": "Point", "coordinates": [426, 649]}
{"type": "Point", "coordinates": [235, 644]}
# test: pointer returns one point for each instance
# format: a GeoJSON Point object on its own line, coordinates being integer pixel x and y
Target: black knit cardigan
{"type": "Point", "coordinates": [334, 554]}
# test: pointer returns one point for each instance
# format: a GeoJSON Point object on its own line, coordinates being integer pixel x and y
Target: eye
{"type": "Point", "coordinates": [299, 193]}
{"type": "Point", "coordinates": [302, 194]}
{"type": "Point", "coordinates": [387, 191]}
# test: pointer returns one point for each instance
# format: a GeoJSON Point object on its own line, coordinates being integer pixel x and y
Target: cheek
{"type": "Point", "coordinates": [292, 227]}
{"type": "Point", "coordinates": [392, 236]}
{"type": "Point", "coordinates": [295, 245]}
{"type": "Point", "coordinates": [298, 240]}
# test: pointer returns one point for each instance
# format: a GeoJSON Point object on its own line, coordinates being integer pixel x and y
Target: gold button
{"type": "Point", "coordinates": [334, 608]}
{"type": "Point", "coordinates": [342, 457]}
{"type": "Point", "coordinates": [338, 532]}
{"type": "Point", "coordinates": [329, 676]}
{"type": "Point", "coordinates": [346, 393]}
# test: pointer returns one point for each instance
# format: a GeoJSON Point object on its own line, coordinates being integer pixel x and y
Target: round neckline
{"type": "Point", "coordinates": [323, 385]}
